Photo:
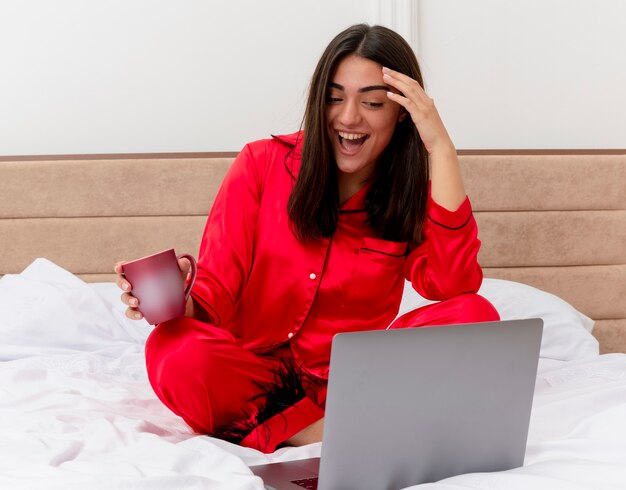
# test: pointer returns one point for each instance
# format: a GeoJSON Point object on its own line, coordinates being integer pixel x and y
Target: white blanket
{"type": "Point", "coordinates": [76, 410]}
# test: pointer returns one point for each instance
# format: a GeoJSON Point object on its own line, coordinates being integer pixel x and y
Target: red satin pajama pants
{"type": "Point", "coordinates": [203, 375]}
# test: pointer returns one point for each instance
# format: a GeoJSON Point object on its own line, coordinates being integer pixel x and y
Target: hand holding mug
{"type": "Point", "coordinates": [155, 285]}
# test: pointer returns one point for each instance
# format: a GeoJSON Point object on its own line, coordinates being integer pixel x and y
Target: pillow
{"type": "Point", "coordinates": [566, 331]}
{"type": "Point", "coordinates": [46, 310]}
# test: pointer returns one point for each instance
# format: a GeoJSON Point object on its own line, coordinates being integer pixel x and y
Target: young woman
{"type": "Point", "coordinates": [312, 234]}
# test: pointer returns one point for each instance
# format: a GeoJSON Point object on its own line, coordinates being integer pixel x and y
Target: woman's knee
{"type": "Point", "coordinates": [464, 308]}
{"type": "Point", "coordinates": [178, 349]}
{"type": "Point", "coordinates": [187, 361]}
{"type": "Point", "coordinates": [476, 308]}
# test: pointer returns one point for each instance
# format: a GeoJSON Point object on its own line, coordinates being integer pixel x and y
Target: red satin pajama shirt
{"type": "Point", "coordinates": [271, 297]}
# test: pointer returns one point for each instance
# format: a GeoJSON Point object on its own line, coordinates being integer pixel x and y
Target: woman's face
{"type": "Point", "coordinates": [360, 118]}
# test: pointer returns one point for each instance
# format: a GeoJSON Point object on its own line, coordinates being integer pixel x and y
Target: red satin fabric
{"type": "Point", "coordinates": [256, 280]}
{"type": "Point", "coordinates": [270, 296]}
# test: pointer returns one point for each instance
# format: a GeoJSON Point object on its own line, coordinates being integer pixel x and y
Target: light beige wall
{"type": "Point", "coordinates": [527, 74]}
{"type": "Point", "coordinates": [120, 76]}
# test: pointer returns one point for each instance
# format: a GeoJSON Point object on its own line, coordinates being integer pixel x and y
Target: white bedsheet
{"type": "Point", "coordinates": [76, 410]}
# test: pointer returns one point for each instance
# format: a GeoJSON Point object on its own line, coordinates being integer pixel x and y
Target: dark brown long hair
{"type": "Point", "coordinates": [396, 201]}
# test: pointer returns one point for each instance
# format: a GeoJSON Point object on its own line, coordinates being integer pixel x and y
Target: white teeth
{"type": "Point", "coordinates": [351, 136]}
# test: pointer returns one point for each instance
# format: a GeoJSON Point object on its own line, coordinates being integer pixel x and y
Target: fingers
{"type": "Point", "coordinates": [185, 268]}
{"type": "Point", "coordinates": [404, 83]}
{"type": "Point", "coordinates": [128, 299]}
{"type": "Point", "coordinates": [123, 284]}
{"type": "Point", "coordinates": [420, 107]}
{"type": "Point", "coordinates": [412, 96]}
{"type": "Point", "coordinates": [121, 281]}
{"type": "Point", "coordinates": [184, 265]}
{"type": "Point", "coordinates": [133, 314]}
{"type": "Point", "coordinates": [132, 311]}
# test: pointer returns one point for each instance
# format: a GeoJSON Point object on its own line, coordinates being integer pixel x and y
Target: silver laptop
{"type": "Point", "coordinates": [412, 406]}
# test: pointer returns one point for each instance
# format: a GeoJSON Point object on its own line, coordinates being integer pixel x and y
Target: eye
{"type": "Point", "coordinates": [333, 100]}
{"type": "Point", "coordinates": [373, 105]}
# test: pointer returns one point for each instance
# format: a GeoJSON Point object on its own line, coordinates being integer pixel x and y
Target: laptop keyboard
{"type": "Point", "coordinates": [308, 483]}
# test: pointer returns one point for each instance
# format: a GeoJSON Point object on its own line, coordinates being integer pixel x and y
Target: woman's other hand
{"type": "Point", "coordinates": [447, 187]}
{"type": "Point", "coordinates": [421, 108]}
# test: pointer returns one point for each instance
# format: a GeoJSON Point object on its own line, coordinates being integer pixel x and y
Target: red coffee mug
{"type": "Point", "coordinates": [157, 283]}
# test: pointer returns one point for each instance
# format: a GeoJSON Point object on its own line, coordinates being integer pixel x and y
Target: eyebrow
{"type": "Point", "coordinates": [362, 89]}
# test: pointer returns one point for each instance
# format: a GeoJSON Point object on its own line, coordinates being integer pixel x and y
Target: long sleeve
{"type": "Point", "coordinates": [227, 245]}
{"type": "Point", "coordinates": [445, 263]}
{"type": "Point", "coordinates": [255, 278]}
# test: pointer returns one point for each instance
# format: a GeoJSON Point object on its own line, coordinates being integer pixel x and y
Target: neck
{"type": "Point", "coordinates": [348, 187]}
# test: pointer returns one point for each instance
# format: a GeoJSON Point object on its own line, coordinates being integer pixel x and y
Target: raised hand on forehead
{"type": "Point", "coordinates": [421, 108]}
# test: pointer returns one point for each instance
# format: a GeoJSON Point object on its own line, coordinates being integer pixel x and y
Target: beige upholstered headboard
{"type": "Point", "coordinates": [554, 220]}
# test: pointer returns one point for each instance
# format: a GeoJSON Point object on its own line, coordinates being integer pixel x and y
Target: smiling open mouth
{"type": "Point", "coordinates": [351, 141]}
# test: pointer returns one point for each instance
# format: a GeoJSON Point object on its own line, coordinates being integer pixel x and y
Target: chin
{"type": "Point", "coordinates": [351, 167]}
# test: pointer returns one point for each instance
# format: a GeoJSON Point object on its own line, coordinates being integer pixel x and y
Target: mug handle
{"type": "Point", "coordinates": [194, 272]}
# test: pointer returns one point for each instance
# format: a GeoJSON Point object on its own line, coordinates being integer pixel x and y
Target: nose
{"type": "Point", "coordinates": [350, 114]}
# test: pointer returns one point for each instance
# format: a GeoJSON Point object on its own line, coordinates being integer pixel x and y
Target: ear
{"type": "Point", "coordinates": [402, 115]}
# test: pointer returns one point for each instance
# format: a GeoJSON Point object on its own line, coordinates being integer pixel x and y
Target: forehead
{"type": "Point", "coordinates": [354, 72]}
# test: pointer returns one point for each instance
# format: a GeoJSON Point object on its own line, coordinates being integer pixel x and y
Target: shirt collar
{"type": "Point", "coordinates": [292, 140]}
{"type": "Point", "coordinates": [293, 156]}
{"type": "Point", "coordinates": [356, 202]}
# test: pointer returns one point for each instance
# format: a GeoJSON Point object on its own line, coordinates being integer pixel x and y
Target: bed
{"type": "Point", "coordinates": [76, 410]}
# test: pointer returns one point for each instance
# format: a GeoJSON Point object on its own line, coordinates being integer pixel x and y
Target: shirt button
{"type": "Point", "coordinates": [289, 335]}
{"type": "Point", "coordinates": [312, 276]}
